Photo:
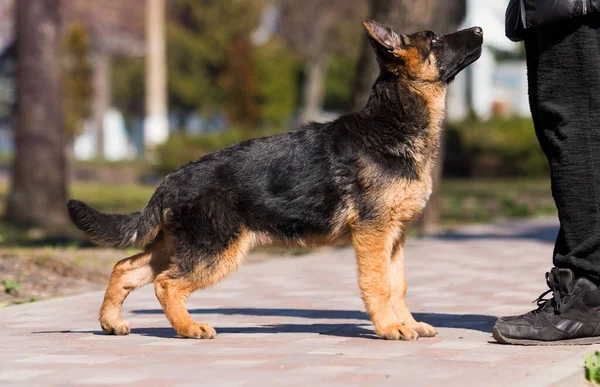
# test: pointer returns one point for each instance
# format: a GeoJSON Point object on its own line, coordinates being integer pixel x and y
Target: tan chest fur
{"type": "Point", "coordinates": [396, 202]}
{"type": "Point", "coordinates": [426, 147]}
{"type": "Point", "coordinates": [402, 199]}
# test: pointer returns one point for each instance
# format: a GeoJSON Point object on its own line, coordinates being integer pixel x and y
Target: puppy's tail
{"type": "Point", "coordinates": [114, 230]}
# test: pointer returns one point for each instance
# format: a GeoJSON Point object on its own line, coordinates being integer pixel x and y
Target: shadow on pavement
{"type": "Point", "coordinates": [306, 313]}
{"type": "Point", "coordinates": [343, 330]}
{"type": "Point", "coordinates": [544, 234]}
{"type": "Point", "coordinates": [481, 323]}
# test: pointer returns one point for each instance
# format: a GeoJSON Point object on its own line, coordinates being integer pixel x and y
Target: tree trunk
{"type": "Point", "coordinates": [430, 218]}
{"type": "Point", "coordinates": [316, 67]}
{"type": "Point", "coordinates": [405, 16]}
{"type": "Point", "coordinates": [367, 68]}
{"type": "Point", "coordinates": [156, 127]}
{"type": "Point", "coordinates": [38, 194]}
{"type": "Point", "coordinates": [454, 12]}
{"type": "Point", "coordinates": [314, 88]}
{"type": "Point", "coordinates": [102, 97]}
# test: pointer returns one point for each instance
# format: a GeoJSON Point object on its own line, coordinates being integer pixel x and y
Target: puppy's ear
{"type": "Point", "coordinates": [384, 40]}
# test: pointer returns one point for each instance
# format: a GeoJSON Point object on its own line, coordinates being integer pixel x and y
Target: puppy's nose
{"type": "Point", "coordinates": [478, 31]}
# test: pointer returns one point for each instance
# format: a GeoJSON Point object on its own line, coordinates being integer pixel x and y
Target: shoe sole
{"type": "Point", "coordinates": [506, 340]}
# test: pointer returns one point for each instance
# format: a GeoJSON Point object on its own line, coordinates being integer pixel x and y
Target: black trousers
{"type": "Point", "coordinates": [563, 69]}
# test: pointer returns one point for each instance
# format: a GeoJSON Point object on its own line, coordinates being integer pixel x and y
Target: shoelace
{"type": "Point", "coordinates": [554, 288]}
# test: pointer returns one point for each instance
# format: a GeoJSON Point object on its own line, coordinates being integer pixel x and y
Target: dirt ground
{"type": "Point", "coordinates": [37, 274]}
{"type": "Point", "coordinates": [29, 275]}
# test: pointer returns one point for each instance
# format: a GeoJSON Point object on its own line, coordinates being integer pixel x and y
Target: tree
{"type": "Point", "coordinates": [114, 27]}
{"type": "Point", "coordinates": [214, 67]}
{"type": "Point", "coordinates": [78, 89]}
{"type": "Point", "coordinates": [277, 71]}
{"type": "Point", "coordinates": [156, 126]}
{"type": "Point", "coordinates": [312, 28]}
{"type": "Point", "coordinates": [407, 16]}
{"type": "Point", "coordinates": [240, 82]}
{"type": "Point", "coordinates": [201, 41]}
{"type": "Point", "coordinates": [128, 84]}
{"type": "Point", "coordinates": [38, 194]}
{"type": "Point", "coordinates": [454, 12]}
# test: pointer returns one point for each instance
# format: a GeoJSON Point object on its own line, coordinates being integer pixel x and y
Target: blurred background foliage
{"type": "Point", "coordinates": [213, 66]}
{"type": "Point", "coordinates": [499, 147]}
{"type": "Point", "coordinates": [78, 88]}
{"type": "Point", "coordinates": [128, 86]}
{"type": "Point", "coordinates": [181, 149]}
{"type": "Point", "coordinates": [209, 58]}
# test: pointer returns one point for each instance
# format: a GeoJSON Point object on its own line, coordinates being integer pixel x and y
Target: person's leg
{"type": "Point", "coordinates": [569, 115]}
{"type": "Point", "coordinates": [564, 79]}
{"type": "Point", "coordinates": [532, 55]}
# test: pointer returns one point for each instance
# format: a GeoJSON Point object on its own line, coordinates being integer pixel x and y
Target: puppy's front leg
{"type": "Point", "coordinates": [398, 282]}
{"type": "Point", "coordinates": [373, 256]}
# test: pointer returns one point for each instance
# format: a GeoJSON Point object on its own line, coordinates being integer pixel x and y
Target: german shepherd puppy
{"type": "Point", "coordinates": [359, 179]}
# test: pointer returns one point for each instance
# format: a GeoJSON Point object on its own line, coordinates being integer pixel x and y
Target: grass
{"type": "Point", "coordinates": [104, 197]}
{"type": "Point", "coordinates": [481, 201]}
{"type": "Point", "coordinates": [118, 198]}
{"type": "Point", "coordinates": [11, 286]}
{"type": "Point", "coordinates": [592, 367]}
{"type": "Point", "coordinates": [461, 202]}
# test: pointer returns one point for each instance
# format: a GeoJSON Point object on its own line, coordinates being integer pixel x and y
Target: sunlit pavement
{"type": "Point", "coordinates": [300, 321]}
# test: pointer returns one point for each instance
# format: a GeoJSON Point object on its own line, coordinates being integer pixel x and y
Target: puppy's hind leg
{"type": "Point", "coordinates": [127, 275]}
{"type": "Point", "coordinates": [173, 287]}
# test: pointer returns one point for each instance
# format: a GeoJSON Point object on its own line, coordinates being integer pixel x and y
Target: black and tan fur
{"type": "Point", "coordinates": [359, 179]}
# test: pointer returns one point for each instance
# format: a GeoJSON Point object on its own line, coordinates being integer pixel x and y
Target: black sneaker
{"type": "Point", "coordinates": [570, 317]}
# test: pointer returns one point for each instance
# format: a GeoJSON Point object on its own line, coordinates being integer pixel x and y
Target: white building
{"type": "Point", "coordinates": [487, 84]}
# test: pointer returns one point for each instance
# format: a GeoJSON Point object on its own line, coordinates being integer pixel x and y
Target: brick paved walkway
{"type": "Point", "coordinates": [300, 321]}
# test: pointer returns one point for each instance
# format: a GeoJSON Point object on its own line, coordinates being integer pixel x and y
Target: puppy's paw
{"type": "Point", "coordinates": [197, 331]}
{"type": "Point", "coordinates": [424, 330]}
{"type": "Point", "coordinates": [398, 332]}
{"type": "Point", "coordinates": [119, 327]}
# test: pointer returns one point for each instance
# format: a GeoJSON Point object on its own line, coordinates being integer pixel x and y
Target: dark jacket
{"type": "Point", "coordinates": [523, 14]}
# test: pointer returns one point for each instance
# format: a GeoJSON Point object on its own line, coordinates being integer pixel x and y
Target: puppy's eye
{"type": "Point", "coordinates": [435, 39]}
